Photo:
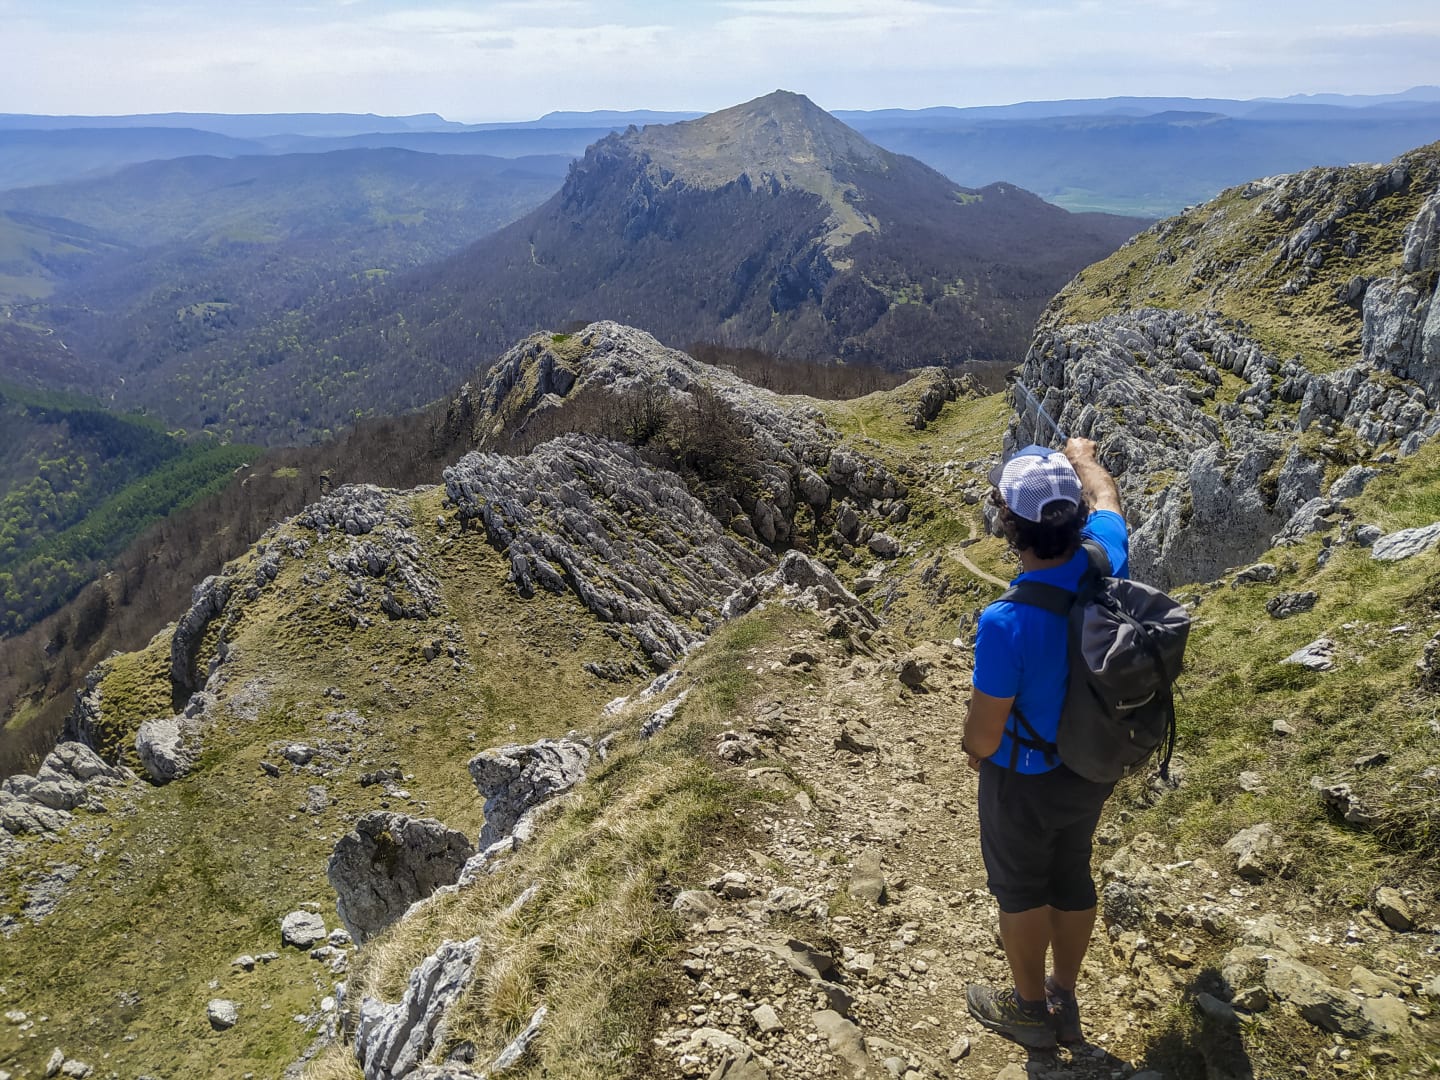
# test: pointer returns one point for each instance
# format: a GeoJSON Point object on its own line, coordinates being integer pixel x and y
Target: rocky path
{"type": "Point", "coordinates": [882, 836]}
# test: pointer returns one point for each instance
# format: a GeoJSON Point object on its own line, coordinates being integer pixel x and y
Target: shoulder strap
{"type": "Point", "coordinates": [1099, 560]}
{"type": "Point", "coordinates": [1051, 598]}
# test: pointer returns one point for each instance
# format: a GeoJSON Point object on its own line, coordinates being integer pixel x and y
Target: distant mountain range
{"type": "Point", "coordinates": [1137, 155]}
{"type": "Point", "coordinates": [771, 225]}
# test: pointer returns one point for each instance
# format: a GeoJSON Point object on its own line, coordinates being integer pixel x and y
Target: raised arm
{"type": "Point", "coordinates": [1098, 485]}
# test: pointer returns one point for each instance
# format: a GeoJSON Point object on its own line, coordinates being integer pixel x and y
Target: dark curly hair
{"type": "Point", "coordinates": [1057, 532]}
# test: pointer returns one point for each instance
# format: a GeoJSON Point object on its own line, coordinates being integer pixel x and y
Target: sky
{"type": "Point", "coordinates": [518, 59]}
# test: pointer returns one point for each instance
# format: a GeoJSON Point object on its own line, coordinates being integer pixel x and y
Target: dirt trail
{"type": "Point", "coordinates": [882, 776]}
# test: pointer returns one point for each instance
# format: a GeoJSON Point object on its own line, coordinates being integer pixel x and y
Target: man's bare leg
{"type": "Point", "coordinates": [1026, 935]}
{"type": "Point", "coordinates": [1069, 938]}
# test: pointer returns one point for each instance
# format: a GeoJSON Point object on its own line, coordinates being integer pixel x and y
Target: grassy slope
{"type": "Point", "coordinates": [202, 870]}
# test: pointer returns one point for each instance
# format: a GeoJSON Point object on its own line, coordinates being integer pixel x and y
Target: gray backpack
{"type": "Point", "coordinates": [1126, 645]}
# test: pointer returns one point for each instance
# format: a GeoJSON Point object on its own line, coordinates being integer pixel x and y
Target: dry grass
{"type": "Point", "coordinates": [591, 943]}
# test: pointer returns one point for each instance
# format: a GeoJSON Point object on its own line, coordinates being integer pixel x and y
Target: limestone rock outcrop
{"type": "Point", "coordinates": [588, 515]}
{"type": "Point", "coordinates": [1211, 475]}
{"type": "Point", "coordinates": [387, 863]}
{"type": "Point", "coordinates": [635, 544]}
{"type": "Point", "coordinates": [168, 747]}
{"type": "Point", "coordinates": [72, 776]}
{"type": "Point", "coordinates": [514, 780]}
{"type": "Point", "coordinates": [391, 1040]}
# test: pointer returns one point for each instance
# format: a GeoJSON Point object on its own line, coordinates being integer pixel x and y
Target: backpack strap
{"type": "Point", "coordinates": [1061, 602]}
{"type": "Point", "coordinates": [1056, 601]}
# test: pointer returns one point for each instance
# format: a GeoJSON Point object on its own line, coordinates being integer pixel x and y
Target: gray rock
{"type": "Point", "coordinates": [884, 545]}
{"type": "Point", "coordinates": [298, 754]}
{"type": "Point", "coordinates": [1366, 983]}
{"type": "Point", "coordinates": [1391, 907]}
{"type": "Point", "coordinates": [20, 815]}
{"type": "Point", "coordinates": [1405, 544]}
{"type": "Point", "coordinates": [1288, 604]}
{"type": "Point", "coordinates": [520, 1045]}
{"type": "Point", "coordinates": [802, 582]}
{"type": "Point", "coordinates": [168, 747]}
{"type": "Point", "coordinates": [392, 1040]}
{"type": "Point", "coordinates": [222, 1014]}
{"type": "Point", "coordinates": [1257, 850]}
{"type": "Point", "coordinates": [1387, 1014]}
{"type": "Point", "coordinates": [1251, 999]}
{"type": "Point", "coordinates": [733, 885]}
{"type": "Point", "coordinates": [1352, 482]}
{"type": "Point", "coordinates": [1319, 655]}
{"type": "Point", "coordinates": [1342, 799]}
{"type": "Point", "coordinates": [766, 1019]}
{"type": "Point", "coordinates": [52, 1065]}
{"type": "Point", "coordinates": [696, 904]}
{"type": "Point", "coordinates": [302, 930]}
{"type": "Point", "coordinates": [1217, 1011]}
{"type": "Point", "coordinates": [388, 863]}
{"type": "Point", "coordinates": [1366, 535]}
{"type": "Point", "coordinates": [1318, 1002]}
{"type": "Point", "coordinates": [843, 1038]}
{"type": "Point", "coordinates": [515, 779]}
{"type": "Point", "coordinates": [1258, 573]}
{"type": "Point", "coordinates": [867, 879]}
{"type": "Point", "coordinates": [207, 600]}
{"type": "Point", "coordinates": [76, 1069]}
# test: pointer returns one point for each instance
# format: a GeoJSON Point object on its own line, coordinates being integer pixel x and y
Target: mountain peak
{"type": "Point", "coordinates": [784, 138]}
{"type": "Point", "coordinates": [783, 134]}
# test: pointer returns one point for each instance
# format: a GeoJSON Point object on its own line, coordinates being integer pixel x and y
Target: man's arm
{"type": "Point", "coordinates": [985, 725]}
{"type": "Point", "coordinates": [1099, 486]}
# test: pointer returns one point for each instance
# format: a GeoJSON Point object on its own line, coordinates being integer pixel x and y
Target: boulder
{"type": "Point", "coordinates": [1288, 604]}
{"type": "Point", "coordinates": [1319, 655]}
{"type": "Point", "coordinates": [1392, 908]}
{"type": "Point", "coordinates": [388, 863]}
{"type": "Point", "coordinates": [168, 747]}
{"type": "Point", "coordinates": [1352, 481]}
{"type": "Point", "coordinates": [1319, 1002]}
{"type": "Point", "coordinates": [302, 930]}
{"type": "Point", "coordinates": [1257, 851]}
{"type": "Point", "coordinates": [1405, 544]}
{"type": "Point", "coordinates": [222, 1014]}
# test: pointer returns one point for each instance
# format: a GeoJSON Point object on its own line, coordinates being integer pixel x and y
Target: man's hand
{"type": "Point", "coordinates": [1079, 450]}
{"type": "Point", "coordinates": [972, 761]}
{"type": "Point", "coordinates": [1098, 485]}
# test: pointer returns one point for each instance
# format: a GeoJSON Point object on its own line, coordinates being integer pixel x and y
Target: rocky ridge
{"type": "Point", "coordinates": [629, 537]}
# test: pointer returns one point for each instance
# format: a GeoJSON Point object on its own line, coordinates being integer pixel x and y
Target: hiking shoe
{"type": "Point", "coordinates": [1064, 1012]}
{"type": "Point", "coordinates": [1002, 1011]}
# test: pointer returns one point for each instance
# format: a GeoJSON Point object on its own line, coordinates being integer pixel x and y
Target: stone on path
{"type": "Point", "coordinates": [1320, 1003]}
{"type": "Point", "coordinates": [843, 1038]}
{"type": "Point", "coordinates": [1391, 907]}
{"type": "Point", "coordinates": [867, 881]}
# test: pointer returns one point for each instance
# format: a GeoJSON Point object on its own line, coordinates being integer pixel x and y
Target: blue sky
{"type": "Point", "coordinates": [518, 59]}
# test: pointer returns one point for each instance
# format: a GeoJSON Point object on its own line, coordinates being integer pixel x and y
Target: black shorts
{"type": "Point", "coordinates": [1035, 835]}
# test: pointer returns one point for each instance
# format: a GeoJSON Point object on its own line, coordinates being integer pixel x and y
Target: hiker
{"type": "Point", "coordinates": [1037, 817]}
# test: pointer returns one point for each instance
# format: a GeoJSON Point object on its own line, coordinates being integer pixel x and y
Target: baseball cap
{"type": "Point", "coordinates": [1034, 477]}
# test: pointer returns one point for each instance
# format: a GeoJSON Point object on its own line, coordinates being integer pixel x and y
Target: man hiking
{"type": "Point", "coordinates": [1037, 817]}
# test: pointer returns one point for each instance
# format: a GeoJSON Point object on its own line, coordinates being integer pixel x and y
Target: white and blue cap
{"type": "Point", "coordinates": [1033, 478]}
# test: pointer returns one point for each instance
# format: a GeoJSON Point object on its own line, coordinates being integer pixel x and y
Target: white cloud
{"type": "Point", "coordinates": [512, 60]}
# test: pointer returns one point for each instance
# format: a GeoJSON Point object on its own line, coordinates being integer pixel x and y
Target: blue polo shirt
{"type": "Point", "coordinates": [1020, 651]}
